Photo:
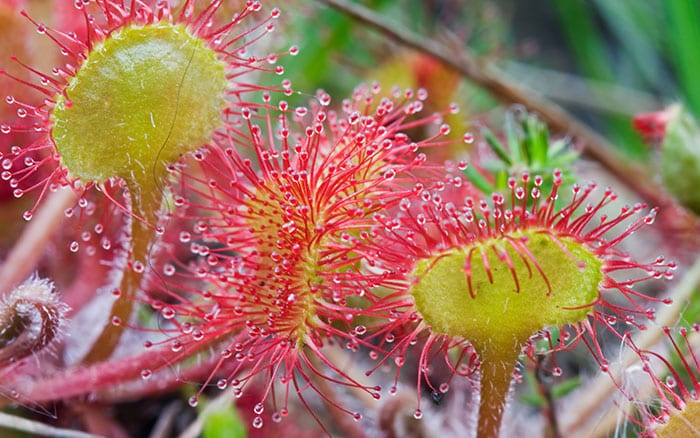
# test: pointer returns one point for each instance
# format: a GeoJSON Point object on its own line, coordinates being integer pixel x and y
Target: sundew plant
{"type": "Point", "coordinates": [232, 218]}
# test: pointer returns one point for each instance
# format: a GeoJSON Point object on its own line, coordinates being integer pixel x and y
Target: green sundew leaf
{"type": "Point", "coordinates": [223, 421]}
{"type": "Point", "coordinates": [125, 87]}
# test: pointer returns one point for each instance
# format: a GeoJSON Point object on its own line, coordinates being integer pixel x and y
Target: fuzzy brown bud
{"type": "Point", "coordinates": [30, 318]}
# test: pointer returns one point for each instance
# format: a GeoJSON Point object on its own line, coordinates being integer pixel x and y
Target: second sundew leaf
{"type": "Point", "coordinates": [499, 302]}
{"type": "Point", "coordinates": [484, 282]}
{"type": "Point", "coordinates": [489, 307]}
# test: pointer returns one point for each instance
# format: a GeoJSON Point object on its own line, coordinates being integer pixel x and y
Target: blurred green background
{"type": "Point", "coordinates": [603, 60]}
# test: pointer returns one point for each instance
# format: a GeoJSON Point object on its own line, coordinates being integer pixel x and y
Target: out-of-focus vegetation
{"type": "Point", "coordinates": [603, 60]}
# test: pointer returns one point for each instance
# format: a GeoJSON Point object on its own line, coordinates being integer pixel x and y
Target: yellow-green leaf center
{"type": "Point", "coordinates": [557, 282]}
{"type": "Point", "coordinates": [503, 315]}
{"type": "Point", "coordinates": [142, 98]}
